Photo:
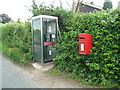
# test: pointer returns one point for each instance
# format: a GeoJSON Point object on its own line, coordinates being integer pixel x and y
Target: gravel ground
{"type": "Point", "coordinates": [52, 80]}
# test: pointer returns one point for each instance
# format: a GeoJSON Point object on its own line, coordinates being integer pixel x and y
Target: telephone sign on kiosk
{"type": "Point", "coordinates": [85, 43]}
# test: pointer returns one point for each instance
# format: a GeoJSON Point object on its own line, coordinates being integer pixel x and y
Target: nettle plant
{"type": "Point", "coordinates": [103, 65]}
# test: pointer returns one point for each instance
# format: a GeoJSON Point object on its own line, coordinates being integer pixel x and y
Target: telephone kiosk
{"type": "Point", "coordinates": [44, 34]}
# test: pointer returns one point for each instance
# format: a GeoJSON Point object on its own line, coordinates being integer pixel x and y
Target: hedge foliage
{"type": "Point", "coordinates": [16, 42]}
{"type": "Point", "coordinates": [103, 64]}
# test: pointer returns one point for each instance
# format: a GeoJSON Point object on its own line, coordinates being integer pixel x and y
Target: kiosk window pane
{"type": "Point", "coordinates": [36, 35]}
{"type": "Point", "coordinates": [36, 24]}
{"type": "Point", "coordinates": [36, 30]}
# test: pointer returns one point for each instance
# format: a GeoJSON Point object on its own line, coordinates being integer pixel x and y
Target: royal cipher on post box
{"type": "Point", "coordinates": [85, 43]}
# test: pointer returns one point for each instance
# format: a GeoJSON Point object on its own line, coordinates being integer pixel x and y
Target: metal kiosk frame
{"type": "Point", "coordinates": [44, 33]}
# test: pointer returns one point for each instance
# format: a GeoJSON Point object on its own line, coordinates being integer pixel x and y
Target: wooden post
{"type": "Point", "coordinates": [119, 5]}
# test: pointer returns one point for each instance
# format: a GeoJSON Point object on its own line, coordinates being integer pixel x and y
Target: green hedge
{"type": "Point", "coordinates": [103, 64]}
{"type": "Point", "coordinates": [17, 42]}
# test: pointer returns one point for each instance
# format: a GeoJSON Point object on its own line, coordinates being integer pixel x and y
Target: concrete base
{"type": "Point", "coordinates": [44, 66]}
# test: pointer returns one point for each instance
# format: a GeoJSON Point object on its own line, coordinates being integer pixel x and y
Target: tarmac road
{"type": "Point", "coordinates": [15, 77]}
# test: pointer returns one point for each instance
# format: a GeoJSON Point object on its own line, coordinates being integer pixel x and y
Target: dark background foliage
{"type": "Point", "coordinates": [107, 4]}
{"type": "Point", "coordinates": [4, 18]}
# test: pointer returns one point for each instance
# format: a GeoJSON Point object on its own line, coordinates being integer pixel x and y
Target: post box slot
{"type": "Point", "coordinates": [82, 38]}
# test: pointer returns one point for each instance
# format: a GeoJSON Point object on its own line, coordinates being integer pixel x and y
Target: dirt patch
{"type": "Point", "coordinates": [48, 80]}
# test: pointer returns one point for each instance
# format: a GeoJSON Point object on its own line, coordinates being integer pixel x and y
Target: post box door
{"type": "Point", "coordinates": [85, 43]}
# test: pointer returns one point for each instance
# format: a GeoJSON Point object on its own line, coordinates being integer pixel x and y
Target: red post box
{"type": "Point", "coordinates": [85, 43]}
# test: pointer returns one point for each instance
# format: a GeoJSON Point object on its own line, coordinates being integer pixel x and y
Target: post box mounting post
{"type": "Point", "coordinates": [85, 47]}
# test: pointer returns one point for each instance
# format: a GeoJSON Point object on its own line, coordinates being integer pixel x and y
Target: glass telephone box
{"type": "Point", "coordinates": [44, 34]}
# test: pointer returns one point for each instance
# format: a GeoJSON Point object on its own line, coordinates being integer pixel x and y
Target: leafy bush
{"type": "Point", "coordinates": [102, 66]}
{"type": "Point", "coordinates": [16, 42]}
{"type": "Point", "coordinates": [64, 16]}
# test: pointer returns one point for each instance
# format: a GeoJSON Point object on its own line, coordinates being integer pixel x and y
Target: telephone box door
{"type": "Point", "coordinates": [49, 37]}
{"type": "Point", "coordinates": [36, 40]}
